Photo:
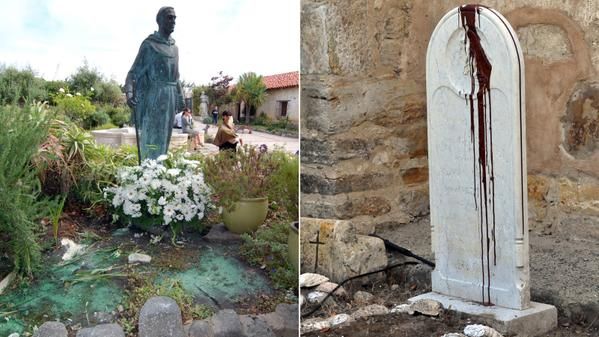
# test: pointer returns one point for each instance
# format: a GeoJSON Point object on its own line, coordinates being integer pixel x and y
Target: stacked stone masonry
{"type": "Point", "coordinates": [364, 136]}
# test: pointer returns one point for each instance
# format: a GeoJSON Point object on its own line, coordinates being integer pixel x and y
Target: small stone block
{"type": "Point", "coordinates": [159, 317]}
{"type": "Point", "coordinates": [534, 321]}
{"type": "Point", "coordinates": [200, 329]}
{"type": "Point", "coordinates": [51, 329]}
{"type": "Point", "coordinates": [255, 327]}
{"type": "Point", "coordinates": [226, 324]}
{"type": "Point", "coordinates": [102, 330]}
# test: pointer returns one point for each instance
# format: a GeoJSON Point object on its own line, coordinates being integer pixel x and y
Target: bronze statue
{"type": "Point", "coordinates": [153, 88]}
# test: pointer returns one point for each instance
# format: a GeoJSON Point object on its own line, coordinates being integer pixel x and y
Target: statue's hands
{"type": "Point", "coordinates": [131, 100]}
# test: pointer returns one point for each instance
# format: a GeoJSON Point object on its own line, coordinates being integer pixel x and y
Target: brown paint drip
{"type": "Point", "coordinates": [481, 127]}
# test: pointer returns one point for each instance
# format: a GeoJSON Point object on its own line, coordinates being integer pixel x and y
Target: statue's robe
{"type": "Point", "coordinates": [154, 78]}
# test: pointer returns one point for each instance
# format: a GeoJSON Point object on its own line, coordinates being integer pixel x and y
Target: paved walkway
{"type": "Point", "coordinates": [258, 138]}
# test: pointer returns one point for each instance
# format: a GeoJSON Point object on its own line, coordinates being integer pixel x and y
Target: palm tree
{"type": "Point", "coordinates": [252, 91]}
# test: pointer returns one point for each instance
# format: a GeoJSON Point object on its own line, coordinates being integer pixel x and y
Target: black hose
{"type": "Point", "coordinates": [390, 245]}
{"type": "Point", "coordinates": [404, 251]}
{"type": "Point", "coordinates": [353, 278]}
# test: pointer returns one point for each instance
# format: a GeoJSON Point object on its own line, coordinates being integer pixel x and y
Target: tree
{"type": "Point", "coordinates": [84, 79]}
{"type": "Point", "coordinates": [219, 93]}
{"type": "Point", "coordinates": [252, 90]}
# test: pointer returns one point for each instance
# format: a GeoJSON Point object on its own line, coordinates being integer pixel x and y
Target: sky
{"type": "Point", "coordinates": [54, 37]}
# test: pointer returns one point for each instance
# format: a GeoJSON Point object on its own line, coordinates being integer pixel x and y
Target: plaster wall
{"type": "Point", "coordinates": [271, 106]}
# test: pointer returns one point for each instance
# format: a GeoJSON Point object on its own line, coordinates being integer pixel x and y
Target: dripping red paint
{"type": "Point", "coordinates": [481, 133]}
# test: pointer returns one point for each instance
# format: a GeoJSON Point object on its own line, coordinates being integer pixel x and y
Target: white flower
{"type": "Point", "coordinates": [69, 95]}
{"type": "Point", "coordinates": [92, 89]}
{"type": "Point", "coordinates": [162, 158]}
{"type": "Point", "coordinates": [77, 94]}
{"type": "Point", "coordinates": [61, 90]}
{"type": "Point", "coordinates": [173, 172]}
{"type": "Point", "coordinates": [155, 184]}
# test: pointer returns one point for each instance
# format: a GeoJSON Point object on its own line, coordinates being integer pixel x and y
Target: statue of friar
{"type": "Point", "coordinates": [153, 88]}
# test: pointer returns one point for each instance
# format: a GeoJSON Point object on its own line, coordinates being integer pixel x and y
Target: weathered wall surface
{"type": "Point", "coordinates": [271, 106]}
{"type": "Point", "coordinates": [364, 146]}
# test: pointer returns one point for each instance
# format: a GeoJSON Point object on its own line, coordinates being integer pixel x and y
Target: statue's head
{"type": "Point", "coordinates": [166, 20]}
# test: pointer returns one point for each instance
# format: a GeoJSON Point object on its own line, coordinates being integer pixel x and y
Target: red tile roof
{"type": "Point", "coordinates": [279, 81]}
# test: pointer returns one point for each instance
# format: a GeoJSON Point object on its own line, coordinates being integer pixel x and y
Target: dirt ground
{"type": "Point", "coordinates": [564, 270]}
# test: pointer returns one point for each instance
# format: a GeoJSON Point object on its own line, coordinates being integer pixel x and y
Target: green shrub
{"type": "Point", "coordinates": [77, 108]}
{"type": "Point", "coordinates": [18, 86]}
{"type": "Point", "coordinates": [119, 115]}
{"type": "Point", "coordinates": [97, 118]}
{"type": "Point", "coordinates": [268, 247]}
{"type": "Point", "coordinates": [263, 119]}
{"type": "Point", "coordinates": [284, 188]}
{"type": "Point", "coordinates": [108, 93]}
{"type": "Point", "coordinates": [20, 209]}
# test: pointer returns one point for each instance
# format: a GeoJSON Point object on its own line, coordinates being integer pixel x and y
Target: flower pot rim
{"type": "Point", "coordinates": [293, 228]}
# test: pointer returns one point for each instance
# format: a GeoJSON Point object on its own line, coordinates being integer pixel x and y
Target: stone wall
{"type": "Point", "coordinates": [364, 142]}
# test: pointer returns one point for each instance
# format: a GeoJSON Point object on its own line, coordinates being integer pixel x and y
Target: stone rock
{"type": "Point", "coordinates": [371, 310]}
{"type": "Point", "coordinates": [225, 323]}
{"type": "Point", "coordinates": [426, 307]}
{"type": "Point", "coordinates": [347, 250]}
{"type": "Point", "coordinates": [363, 297]}
{"type": "Point", "coordinates": [316, 296]}
{"type": "Point", "coordinates": [13, 335]}
{"type": "Point", "coordinates": [6, 281]}
{"type": "Point", "coordinates": [302, 299]}
{"type": "Point", "coordinates": [453, 334]}
{"type": "Point", "coordinates": [219, 233]}
{"type": "Point", "coordinates": [394, 287]}
{"type": "Point", "coordinates": [200, 329]}
{"type": "Point", "coordinates": [477, 330]}
{"type": "Point", "coordinates": [314, 324]}
{"type": "Point", "coordinates": [100, 317]}
{"type": "Point", "coordinates": [255, 327]}
{"type": "Point", "coordinates": [284, 321]}
{"type": "Point", "coordinates": [139, 258]}
{"type": "Point", "coordinates": [102, 330]}
{"type": "Point", "coordinates": [402, 309]}
{"type": "Point", "coordinates": [308, 280]}
{"type": "Point", "coordinates": [51, 329]}
{"type": "Point", "coordinates": [328, 287]}
{"type": "Point", "coordinates": [340, 319]}
{"type": "Point", "coordinates": [160, 316]}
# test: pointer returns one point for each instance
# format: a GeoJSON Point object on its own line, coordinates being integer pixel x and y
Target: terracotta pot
{"type": "Point", "coordinates": [293, 244]}
{"type": "Point", "coordinates": [247, 215]}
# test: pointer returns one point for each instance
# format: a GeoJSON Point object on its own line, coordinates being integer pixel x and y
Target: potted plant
{"type": "Point", "coordinates": [241, 182]}
{"type": "Point", "coordinates": [167, 192]}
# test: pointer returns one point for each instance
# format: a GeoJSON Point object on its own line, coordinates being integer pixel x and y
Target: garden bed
{"type": "Point", "coordinates": [101, 286]}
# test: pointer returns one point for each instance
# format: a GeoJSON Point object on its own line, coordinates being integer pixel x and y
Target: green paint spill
{"type": "Point", "coordinates": [58, 295]}
{"type": "Point", "coordinates": [221, 277]}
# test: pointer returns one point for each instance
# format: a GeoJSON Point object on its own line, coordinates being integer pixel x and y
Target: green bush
{"type": "Point", "coordinates": [18, 86]}
{"type": "Point", "coordinates": [97, 118]}
{"type": "Point", "coordinates": [284, 188]}
{"type": "Point", "coordinates": [20, 209]}
{"type": "Point", "coordinates": [263, 119]}
{"type": "Point", "coordinates": [268, 247]}
{"type": "Point", "coordinates": [119, 115]}
{"type": "Point", "coordinates": [77, 108]}
{"type": "Point", "coordinates": [108, 93]}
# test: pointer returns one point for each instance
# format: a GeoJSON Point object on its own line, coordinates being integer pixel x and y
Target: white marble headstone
{"type": "Point", "coordinates": [477, 160]}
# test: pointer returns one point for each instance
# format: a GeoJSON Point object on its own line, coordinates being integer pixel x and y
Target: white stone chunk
{"type": "Point", "coordinates": [477, 330]}
{"type": "Point", "coordinates": [308, 280]}
{"type": "Point", "coordinates": [139, 258]}
{"type": "Point", "coordinates": [316, 296]}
